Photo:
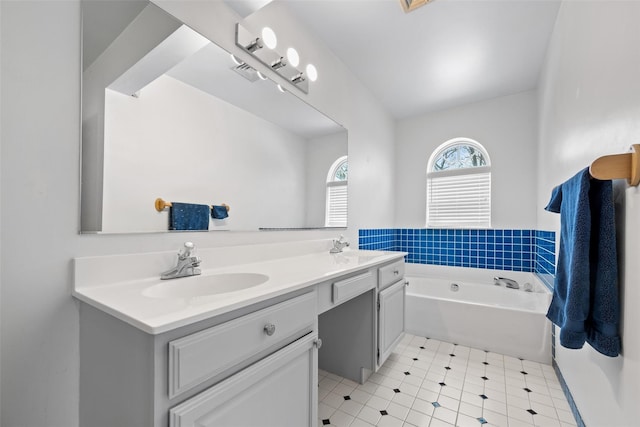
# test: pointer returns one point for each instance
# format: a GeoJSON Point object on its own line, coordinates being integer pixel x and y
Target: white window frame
{"type": "Point", "coordinates": [336, 197]}
{"type": "Point", "coordinates": [459, 198]}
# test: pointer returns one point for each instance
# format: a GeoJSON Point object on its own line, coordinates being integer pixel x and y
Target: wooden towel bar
{"type": "Point", "coordinates": [161, 204]}
{"type": "Point", "coordinates": [618, 166]}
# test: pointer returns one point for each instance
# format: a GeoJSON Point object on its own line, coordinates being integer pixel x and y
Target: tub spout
{"type": "Point", "coordinates": [509, 283]}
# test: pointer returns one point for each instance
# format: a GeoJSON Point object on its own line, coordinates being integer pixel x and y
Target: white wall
{"type": "Point", "coordinates": [40, 195]}
{"type": "Point", "coordinates": [173, 141]}
{"type": "Point", "coordinates": [506, 127]}
{"type": "Point", "coordinates": [589, 106]}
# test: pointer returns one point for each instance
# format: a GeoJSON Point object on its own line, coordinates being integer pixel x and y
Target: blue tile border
{"type": "Point", "coordinates": [567, 393]}
{"type": "Point", "coordinates": [500, 249]}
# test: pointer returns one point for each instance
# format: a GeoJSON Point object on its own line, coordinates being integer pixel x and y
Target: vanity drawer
{"type": "Point", "coordinates": [206, 354]}
{"type": "Point", "coordinates": [346, 289]}
{"type": "Point", "coordinates": [390, 274]}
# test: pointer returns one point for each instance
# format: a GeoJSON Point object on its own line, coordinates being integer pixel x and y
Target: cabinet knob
{"type": "Point", "coordinates": [318, 343]}
{"type": "Point", "coordinates": [396, 272]}
{"type": "Point", "coordinates": [406, 283]}
{"type": "Point", "coordinates": [269, 329]}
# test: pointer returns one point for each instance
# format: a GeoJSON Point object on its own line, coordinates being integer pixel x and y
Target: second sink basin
{"type": "Point", "coordinates": [204, 285]}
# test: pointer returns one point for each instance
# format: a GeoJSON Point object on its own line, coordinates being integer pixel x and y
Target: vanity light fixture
{"type": "Point", "coordinates": [254, 45]}
{"type": "Point", "coordinates": [269, 37]}
{"type": "Point", "coordinates": [312, 72]}
{"type": "Point", "coordinates": [278, 63]}
{"type": "Point", "coordinates": [293, 57]}
{"type": "Point", "coordinates": [297, 79]}
{"type": "Point", "coordinates": [263, 49]}
{"type": "Point", "coordinates": [236, 60]}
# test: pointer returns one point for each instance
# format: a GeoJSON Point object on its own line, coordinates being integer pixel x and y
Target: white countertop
{"type": "Point", "coordinates": [124, 298]}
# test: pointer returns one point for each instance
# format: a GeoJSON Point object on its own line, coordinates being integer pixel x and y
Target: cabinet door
{"type": "Point", "coordinates": [390, 319]}
{"type": "Point", "coordinates": [278, 391]}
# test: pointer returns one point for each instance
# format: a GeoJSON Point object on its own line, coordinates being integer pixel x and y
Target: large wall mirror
{"type": "Point", "coordinates": [167, 114]}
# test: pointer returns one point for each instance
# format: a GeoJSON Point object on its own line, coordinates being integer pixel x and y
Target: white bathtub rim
{"type": "Point", "coordinates": [473, 275]}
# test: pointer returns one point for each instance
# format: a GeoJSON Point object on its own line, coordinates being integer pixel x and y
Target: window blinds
{"type": "Point", "coordinates": [460, 199]}
{"type": "Point", "coordinates": [336, 215]}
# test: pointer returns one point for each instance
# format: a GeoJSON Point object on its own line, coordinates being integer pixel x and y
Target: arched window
{"type": "Point", "coordinates": [459, 185]}
{"type": "Point", "coordinates": [337, 179]}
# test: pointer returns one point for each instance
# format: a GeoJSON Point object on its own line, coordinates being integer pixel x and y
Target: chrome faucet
{"type": "Point", "coordinates": [338, 245]}
{"type": "Point", "coordinates": [509, 283]}
{"type": "Point", "coordinates": [187, 264]}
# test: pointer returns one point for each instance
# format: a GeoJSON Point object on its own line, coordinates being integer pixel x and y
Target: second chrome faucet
{"type": "Point", "coordinates": [338, 245]}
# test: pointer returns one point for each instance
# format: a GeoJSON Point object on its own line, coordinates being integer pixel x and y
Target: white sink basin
{"type": "Point", "coordinates": [198, 286]}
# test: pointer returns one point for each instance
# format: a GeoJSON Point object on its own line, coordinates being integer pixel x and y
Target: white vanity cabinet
{"type": "Point", "coordinates": [253, 367]}
{"type": "Point", "coordinates": [391, 308]}
{"type": "Point", "coordinates": [278, 391]}
{"type": "Point", "coordinates": [243, 360]}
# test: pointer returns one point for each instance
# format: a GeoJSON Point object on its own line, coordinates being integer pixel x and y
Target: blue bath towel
{"type": "Point", "coordinates": [219, 212]}
{"type": "Point", "coordinates": [585, 301]}
{"type": "Point", "coordinates": [188, 216]}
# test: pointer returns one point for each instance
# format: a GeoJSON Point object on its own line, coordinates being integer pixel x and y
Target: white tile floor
{"type": "Point", "coordinates": [427, 382]}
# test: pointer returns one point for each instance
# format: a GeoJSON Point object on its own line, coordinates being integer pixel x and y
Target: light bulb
{"type": "Point", "coordinates": [293, 57]}
{"type": "Point", "coordinates": [269, 38]}
{"type": "Point", "coordinates": [312, 72]}
{"type": "Point", "coordinates": [280, 88]}
{"type": "Point", "coordinates": [261, 76]}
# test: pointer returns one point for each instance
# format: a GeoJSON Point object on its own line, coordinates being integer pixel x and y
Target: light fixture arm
{"type": "Point", "coordinates": [298, 79]}
{"type": "Point", "coordinates": [276, 65]}
{"type": "Point", "coordinates": [254, 45]}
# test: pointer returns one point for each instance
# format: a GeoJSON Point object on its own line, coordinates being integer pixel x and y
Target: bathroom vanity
{"type": "Point", "coordinates": [184, 353]}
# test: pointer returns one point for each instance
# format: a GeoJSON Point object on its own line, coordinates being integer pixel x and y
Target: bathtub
{"type": "Point", "coordinates": [463, 306]}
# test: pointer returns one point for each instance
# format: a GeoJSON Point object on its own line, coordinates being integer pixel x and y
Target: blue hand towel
{"type": "Point", "coordinates": [219, 212]}
{"type": "Point", "coordinates": [585, 301]}
{"type": "Point", "coordinates": [188, 216]}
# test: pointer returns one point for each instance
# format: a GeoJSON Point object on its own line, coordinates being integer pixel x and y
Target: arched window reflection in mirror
{"type": "Point", "coordinates": [337, 192]}
{"type": "Point", "coordinates": [459, 185]}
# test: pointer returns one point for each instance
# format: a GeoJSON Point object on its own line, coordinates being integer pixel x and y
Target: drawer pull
{"type": "Point", "coordinates": [269, 329]}
{"type": "Point", "coordinates": [318, 343]}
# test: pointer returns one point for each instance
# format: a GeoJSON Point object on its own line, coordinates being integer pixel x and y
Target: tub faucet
{"type": "Point", "coordinates": [509, 283]}
{"type": "Point", "coordinates": [338, 245]}
{"type": "Point", "coordinates": [187, 264]}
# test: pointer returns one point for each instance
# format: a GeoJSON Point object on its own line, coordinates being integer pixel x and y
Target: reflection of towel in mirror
{"type": "Point", "coordinates": [188, 216]}
{"type": "Point", "coordinates": [585, 301]}
{"type": "Point", "coordinates": [219, 212]}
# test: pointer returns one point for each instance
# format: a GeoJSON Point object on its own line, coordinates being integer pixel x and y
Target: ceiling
{"type": "Point", "coordinates": [441, 55]}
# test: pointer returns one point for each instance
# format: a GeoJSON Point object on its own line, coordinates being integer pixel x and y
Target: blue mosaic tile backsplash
{"type": "Point", "coordinates": [515, 250]}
